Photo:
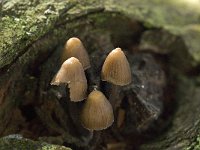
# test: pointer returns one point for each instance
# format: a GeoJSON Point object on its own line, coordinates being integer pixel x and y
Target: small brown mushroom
{"type": "Point", "coordinates": [97, 112]}
{"type": "Point", "coordinates": [117, 71]}
{"type": "Point", "coordinates": [116, 68]}
{"type": "Point", "coordinates": [74, 48]}
{"type": "Point", "coordinates": [72, 73]}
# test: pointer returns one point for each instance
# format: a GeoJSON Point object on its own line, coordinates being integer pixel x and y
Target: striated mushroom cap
{"type": "Point", "coordinates": [74, 48]}
{"type": "Point", "coordinates": [72, 73]}
{"type": "Point", "coordinates": [116, 68]}
{"type": "Point", "coordinates": [97, 112]}
{"type": "Point", "coordinates": [77, 91]}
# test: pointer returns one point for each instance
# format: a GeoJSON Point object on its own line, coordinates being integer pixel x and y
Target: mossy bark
{"type": "Point", "coordinates": [31, 32]}
{"type": "Point", "coordinates": [17, 142]}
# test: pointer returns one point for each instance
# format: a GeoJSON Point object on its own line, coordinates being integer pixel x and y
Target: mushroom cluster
{"type": "Point", "coordinates": [97, 112]}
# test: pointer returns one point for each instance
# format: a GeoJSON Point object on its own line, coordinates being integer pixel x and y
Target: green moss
{"type": "Point", "coordinates": [24, 22]}
{"type": "Point", "coordinates": [156, 12]}
{"type": "Point", "coordinates": [195, 145]}
{"type": "Point", "coordinates": [20, 30]}
{"type": "Point", "coordinates": [8, 143]}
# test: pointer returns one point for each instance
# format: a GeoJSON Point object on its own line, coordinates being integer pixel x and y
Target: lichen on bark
{"type": "Point", "coordinates": [19, 143]}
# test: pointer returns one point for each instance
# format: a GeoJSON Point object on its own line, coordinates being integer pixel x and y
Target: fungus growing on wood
{"type": "Point", "coordinates": [72, 73]}
{"type": "Point", "coordinates": [116, 68]}
{"type": "Point", "coordinates": [117, 71]}
{"type": "Point", "coordinates": [97, 112]}
{"type": "Point", "coordinates": [74, 48]}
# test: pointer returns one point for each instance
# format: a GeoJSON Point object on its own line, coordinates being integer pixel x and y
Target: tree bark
{"type": "Point", "coordinates": [32, 35]}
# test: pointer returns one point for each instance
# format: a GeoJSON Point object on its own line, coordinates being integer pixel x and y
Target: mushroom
{"type": "Point", "coordinates": [72, 73]}
{"type": "Point", "coordinates": [74, 48]}
{"type": "Point", "coordinates": [97, 113]}
{"type": "Point", "coordinates": [116, 70]}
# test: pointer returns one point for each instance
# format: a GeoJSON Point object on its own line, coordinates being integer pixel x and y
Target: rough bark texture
{"type": "Point", "coordinates": [32, 35]}
{"type": "Point", "coordinates": [18, 142]}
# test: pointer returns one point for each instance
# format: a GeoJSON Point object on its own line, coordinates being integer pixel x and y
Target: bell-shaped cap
{"type": "Point", "coordinates": [72, 73]}
{"type": "Point", "coordinates": [97, 112]}
{"type": "Point", "coordinates": [116, 68]}
{"type": "Point", "coordinates": [74, 48]}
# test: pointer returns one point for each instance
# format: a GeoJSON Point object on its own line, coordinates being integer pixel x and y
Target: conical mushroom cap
{"type": "Point", "coordinates": [74, 48]}
{"type": "Point", "coordinates": [97, 112]}
{"type": "Point", "coordinates": [116, 68]}
{"type": "Point", "coordinates": [77, 91]}
{"type": "Point", "coordinates": [70, 71]}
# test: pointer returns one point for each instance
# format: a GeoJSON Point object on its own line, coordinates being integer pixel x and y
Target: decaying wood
{"type": "Point", "coordinates": [161, 104]}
